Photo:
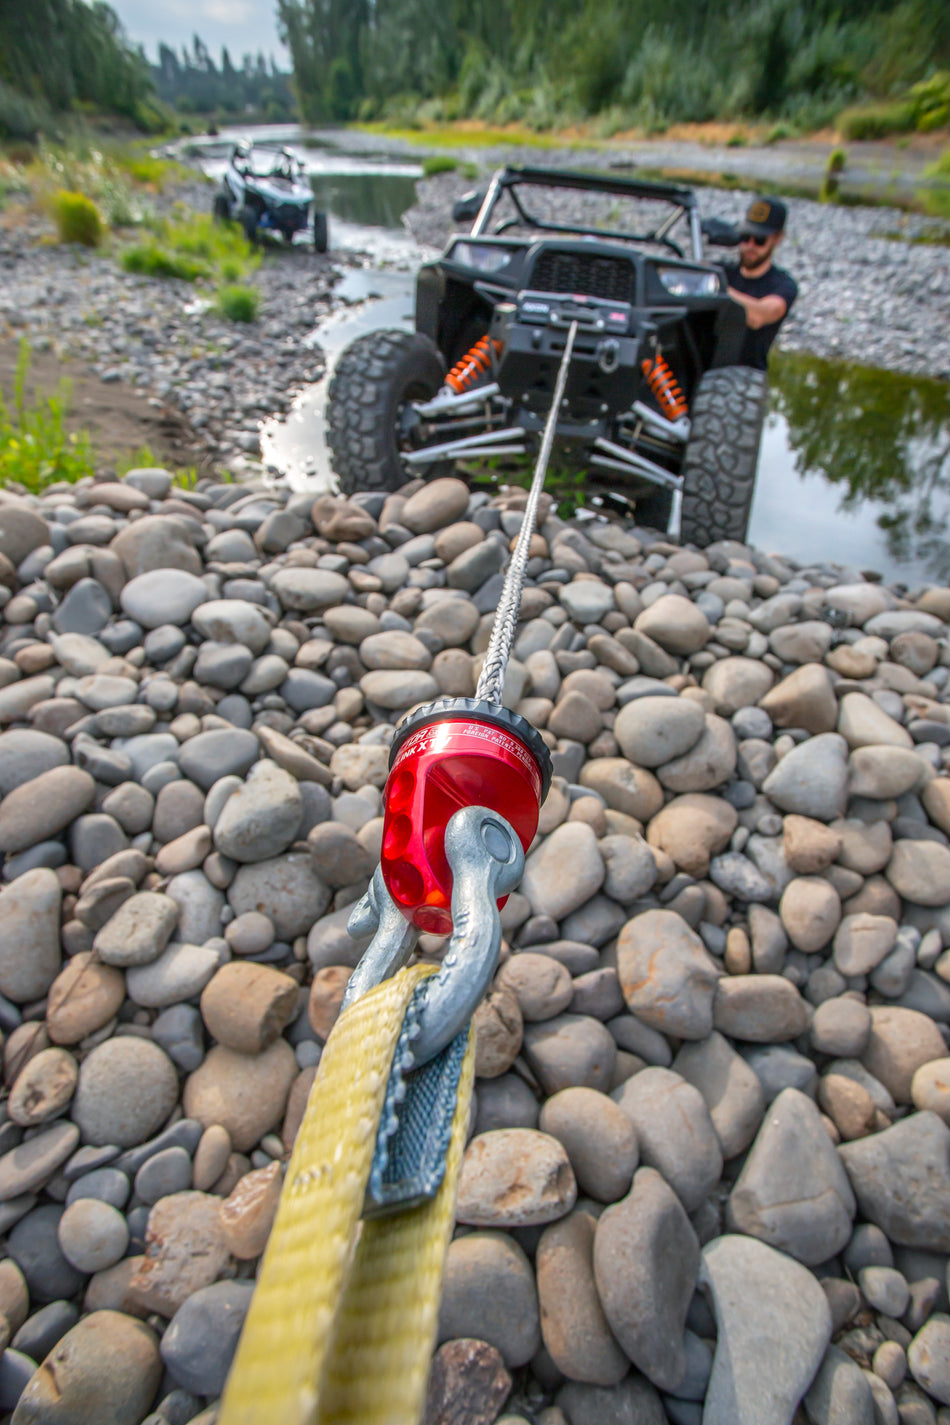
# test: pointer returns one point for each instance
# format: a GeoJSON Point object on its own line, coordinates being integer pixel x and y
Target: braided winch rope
{"type": "Point", "coordinates": [492, 678]}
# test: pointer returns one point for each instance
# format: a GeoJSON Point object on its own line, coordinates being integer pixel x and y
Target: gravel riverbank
{"type": "Point", "coordinates": [708, 1177]}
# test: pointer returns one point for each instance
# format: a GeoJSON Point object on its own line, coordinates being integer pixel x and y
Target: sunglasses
{"type": "Point", "coordinates": [753, 238]}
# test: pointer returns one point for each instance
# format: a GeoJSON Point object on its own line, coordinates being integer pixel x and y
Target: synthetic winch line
{"type": "Point", "coordinates": [492, 678]}
{"type": "Point", "coordinates": [308, 1348]}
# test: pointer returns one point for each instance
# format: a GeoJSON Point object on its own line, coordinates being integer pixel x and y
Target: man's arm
{"type": "Point", "coordinates": [760, 311]}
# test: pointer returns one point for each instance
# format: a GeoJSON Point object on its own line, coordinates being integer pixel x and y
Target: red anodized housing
{"type": "Point", "coordinates": [454, 753]}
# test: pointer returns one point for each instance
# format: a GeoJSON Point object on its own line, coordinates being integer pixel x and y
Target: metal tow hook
{"type": "Point", "coordinates": [487, 861]}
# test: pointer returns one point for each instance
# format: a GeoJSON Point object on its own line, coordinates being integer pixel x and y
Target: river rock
{"type": "Point", "coordinates": [31, 1165]}
{"type": "Point", "coordinates": [244, 1093]}
{"type": "Point", "coordinates": [248, 1213]}
{"type": "Point", "coordinates": [792, 1192]}
{"type": "Point", "coordinates": [489, 1293]}
{"type": "Point", "coordinates": [26, 754]}
{"type": "Point", "coordinates": [138, 931]}
{"type": "Point", "coordinates": [30, 946]}
{"type": "Point", "coordinates": [155, 542]}
{"type": "Point", "coordinates": [631, 790]}
{"type": "Point", "coordinates": [761, 1009]}
{"type": "Point", "coordinates": [840, 1393]}
{"type": "Point", "coordinates": [127, 1088]}
{"type": "Point", "coordinates": [667, 977]}
{"type": "Point", "coordinates": [709, 763]}
{"type": "Point", "coordinates": [286, 889]}
{"type": "Point", "coordinates": [674, 1132]}
{"type": "Point", "coordinates": [162, 596]}
{"type": "Point", "coordinates": [919, 871]}
{"type": "Point", "coordinates": [202, 1336]}
{"type": "Point", "coordinates": [731, 1090]}
{"type": "Point", "coordinates": [598, 1137]}
{"type": "Point", "coordinates": [810, 910]}
{"type": "Point", "coordinates": [805, 699]}
{"type": "Point", "coordinates": [106, 1368]}
{"type": "Point", "coordinates": [43, 1087]}
{"type": "Point", "coordinates": [44, 807]}
{"type": "Point", "coordinates": [646, 1259]}
{"type": "Point", "coordinates": [565, 871]}
{"type": "Point", "coordinates": [93, 1235]}
{"type": "Point", "coordinates": [467, 1383]}
{"type": "Point", "coordinates": [763, 1364]}
{"type": "Point", "coordinates": [439, 503]}
{"type": "Point", "coordinates": [901, 1179]}
{"type": "Point", "coordinates": [260, 819]}
{"type": "Point", "coordinates": [570, 1051]}
{"type": "Point", "coordinates": [514, 1177]}
{"type": "Point", "coordinates": [900, 1042]}
{"type": "Point", "coordinates": [246, 1006]}
{"type": "Point", "coordinates": [233, 621]}
{"type": "Point", "coordinates": [573, 1324]}
{"type": "Point", "coordinates": [542, 986]}
{"type": "Point", "coordinates": [735, 683]}
{"type": "Point", "coordinates": [83, 997]}
{"type": "Point", "coordinates": [652, 731]}
{"type": "Point", "coordinates": [862, 723]}
{"type": "Point", "coordinates": [862, 941]}
{"type": "Point", "coordinates": [180, 973]}
{"type": "Point", "coordinates": [693, 828]}
{"type": "Point", "coordinates": [928, 1356]}
{"type": "Point", "coordinates": [675, 623]}
{"type": "Point", "coordinates": [185, 1250]}
{"type": "Point", "coordinates": [812, 778]}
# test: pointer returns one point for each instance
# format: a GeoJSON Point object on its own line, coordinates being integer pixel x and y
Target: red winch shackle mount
{"type": "Point", "coordinates": [449, 754]}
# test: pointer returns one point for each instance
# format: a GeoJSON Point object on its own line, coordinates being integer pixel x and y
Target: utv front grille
{"type": "Point", "coordinates": [586, 274]}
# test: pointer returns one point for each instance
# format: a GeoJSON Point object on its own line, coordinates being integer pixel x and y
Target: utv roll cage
{"type": "Point", "coordinates": [510, 180]}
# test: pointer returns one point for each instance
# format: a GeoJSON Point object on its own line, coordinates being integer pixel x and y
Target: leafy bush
{"type": "Point", "coordinates": [239, 304]}
{"type": "Point", "coordinates": [35, 449]}
{"type": "Point", "coordinates": [77, 218]}
{"type": "Point", "coordinates": [438, 163]}
{"type": "Point", "coordinates": [837, 159]}
{"type": "Point", "coordinates": [876, 121]}
{"type": "Point", "coordinates": [937, 200]}
{"type": "Point", "coordinates": [193, 248]}
{"type": "Point", "coordinates": [150, 259]}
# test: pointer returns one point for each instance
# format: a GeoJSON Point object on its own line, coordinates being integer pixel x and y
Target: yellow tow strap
{"type": "Point", "coordinates": [343, 1319]}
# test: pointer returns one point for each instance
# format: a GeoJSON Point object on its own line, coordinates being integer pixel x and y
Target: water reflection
{"type": "Point", "coordinates": [881, 442]}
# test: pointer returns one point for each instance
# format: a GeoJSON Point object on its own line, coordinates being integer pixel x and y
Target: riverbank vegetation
{"type": "Point", "coordinates": [546, 63]}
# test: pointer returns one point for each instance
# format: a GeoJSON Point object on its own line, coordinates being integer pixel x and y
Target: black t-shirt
{"type": "Point", "coordinates": [776, 282]}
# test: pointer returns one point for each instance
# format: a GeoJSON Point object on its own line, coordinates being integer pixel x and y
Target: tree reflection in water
{"type": "Point", "coordinates": [883, 436]}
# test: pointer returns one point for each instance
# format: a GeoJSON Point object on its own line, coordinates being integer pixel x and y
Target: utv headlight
{"type": "Point", "coordinates": [689, 281]}
{"type": "Point", "coordinates": [483, 256]}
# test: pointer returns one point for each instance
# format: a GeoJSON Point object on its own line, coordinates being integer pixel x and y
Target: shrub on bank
{"type": "Point", "coordinates": [239, 304]}
{"type": "Point", "coordinates": [77, 218]}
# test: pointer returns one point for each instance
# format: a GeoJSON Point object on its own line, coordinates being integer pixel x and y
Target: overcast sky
{"type": "Point", "coordinates": [242, 25]}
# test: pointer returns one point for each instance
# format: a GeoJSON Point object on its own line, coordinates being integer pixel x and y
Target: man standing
{"type": "Point", "coordinates": [765, 291]}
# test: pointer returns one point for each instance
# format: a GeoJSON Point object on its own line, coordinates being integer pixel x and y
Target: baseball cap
{"type": "Point", "coordinates": [764, 217]}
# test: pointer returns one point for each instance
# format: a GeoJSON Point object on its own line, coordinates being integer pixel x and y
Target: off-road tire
{"type": "Point", "coordinates": [321, 232]}
{"type": "Point", "coordinates": [249, 217]}
{"type": "Point", "coordinates": [726, 416]}
{"type": "Point", "coordinates": [374, 377]}
{"type": "Point", "coordinates": [220, 208]}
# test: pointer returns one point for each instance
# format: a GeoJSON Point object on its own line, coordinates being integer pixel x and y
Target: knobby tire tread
{"type": "Point", "coordinates": [727, 416]}
{"type": "Point", "coordinates": [372, 377]}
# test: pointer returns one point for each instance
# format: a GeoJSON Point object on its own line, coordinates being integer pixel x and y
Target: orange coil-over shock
{"type": "Point", "coordinates": [473, 365]}
{"type": "Point", "coordinates": [665, 387]}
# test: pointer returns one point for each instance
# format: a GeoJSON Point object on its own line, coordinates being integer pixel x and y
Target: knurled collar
{"type": "Point", "coordinates": [461, 710]}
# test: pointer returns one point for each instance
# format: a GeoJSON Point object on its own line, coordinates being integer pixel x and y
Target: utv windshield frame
{"type": "Point", "coordinates": [508, 180]}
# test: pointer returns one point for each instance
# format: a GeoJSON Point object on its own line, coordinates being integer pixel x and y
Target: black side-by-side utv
{"type": "Point", "coordinates": [655, 400]}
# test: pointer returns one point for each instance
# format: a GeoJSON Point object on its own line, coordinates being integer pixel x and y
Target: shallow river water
{"type": "Point", "coordinates": [855, 461]}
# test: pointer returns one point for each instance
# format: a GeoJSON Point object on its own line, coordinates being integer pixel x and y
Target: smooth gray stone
{"type": "Point", "coordinates": [186, 1134]}
{"type": "Point", "coordinates": [148, 749]}
{"type": "Point", "coordinates": [50, 854]}
{"type": "Point", "coordinates": [14, 1208]}
{"type": "Point", "coordinates": [121, 636]}
{"type": "Point", "coordinates": [812, 779]}
{"type": "Point", "coordinates": [31, 1165]}
{"type": "Point", "coordinates": [88, 1159]}
{"type": "Point", "coordinates": [780, 1067]}
{"type": "Point", "coordinates": [16, 1370]}
{"type": "Point", "coordinates": [633, 1402]}
{"type": "Point", "coordinates": [764, 1360]}
{"type": "Point", "coordinates": [163, 643]}
{"type": "Point", "coordinates": [41, 1331]}
{"type": "Point", "coordinates": [34, 1246]}
{"type": "Point", "coordinates": [840, 1394]}
{"type": "Point", "coordinates": [165, 1173]}
{"type": "Point", "coordinates": [199, 1344]}
{"type": "Point", "coordinates": [25, 754]}
{"type": "Point", "coordinates": [105, 1184]}
{"type": "Point", "coordinates": [793, 1192]}
{"type": "Point", "coordinates": [505, 1102]}
{"type": "Point", "coordinates": [86, 608]}
{"type": "Point", "coordinates": [303, 689]}
{"type": "Point", "coordinates": [216, 754]}
{"type": "Point", "coordinates": [95, 837]}
{"type": "Point", "coordinates": [901, 1179]}
{"type": "Point", "coordinates": [674, 1131]}
{"type": "Point", "coordinates": [179, 1031]}
{"type": "Point", "coordinates": [223, 665]}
